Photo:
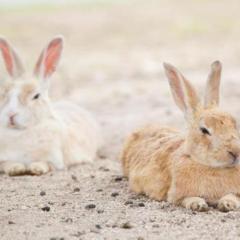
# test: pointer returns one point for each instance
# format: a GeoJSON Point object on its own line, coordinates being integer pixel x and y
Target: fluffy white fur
{"type": "Point", "coordinates": [37, 135]}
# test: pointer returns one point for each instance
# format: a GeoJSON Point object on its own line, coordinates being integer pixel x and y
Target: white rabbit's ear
{"type": "Point", "coordinates": [12, 60]}
{"type": "Point", "coordinates": [49, 58]}
{"type": "Point", "coordinates": [213, 83]}
{"type": "Point", "coordinates": [183, 92]}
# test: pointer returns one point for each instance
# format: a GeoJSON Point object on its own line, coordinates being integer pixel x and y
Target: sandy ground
{"type": "Point", "coordinates": [112, 66]}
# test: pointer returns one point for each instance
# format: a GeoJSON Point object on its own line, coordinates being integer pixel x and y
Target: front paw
{"type": "Point", "coordinates": [14, 169]}
{"type": "Point", "coordinates": [195, 204]}
{"type": "Point", "coordinates": [228, 203]}
{"type": "Point", "coordinates": [39, 168]}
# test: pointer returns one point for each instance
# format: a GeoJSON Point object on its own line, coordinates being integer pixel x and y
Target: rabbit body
{"type": "Point", "coordinates": [156, 165]}
{"type": "Point", "coordinates": [196, 169]}
{"type": "Point", "coordinates": [66, 137]}
{"type": "Point", "coordinates": [36, 134]}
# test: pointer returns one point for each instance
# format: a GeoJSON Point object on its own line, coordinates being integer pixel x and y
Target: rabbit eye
{"type": "Point", "coordinates": [205, 131]}
{"type": "Point", "coordinates": [36, 96]}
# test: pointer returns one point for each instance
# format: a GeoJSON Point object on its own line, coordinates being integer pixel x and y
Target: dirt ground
{"type": "Point", "coordinates": [112, 65]}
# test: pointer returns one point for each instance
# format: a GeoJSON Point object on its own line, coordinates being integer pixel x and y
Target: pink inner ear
{"type": "Point", "coordinates": [52, 57]}
{"type": "Point", "coordinates": [7, 57]}
{"type": "Point", "coordinates": [176, 88]}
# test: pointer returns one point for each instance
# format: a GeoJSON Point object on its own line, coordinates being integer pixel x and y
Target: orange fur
{"type": "Point", "coordinates": [192, 170]}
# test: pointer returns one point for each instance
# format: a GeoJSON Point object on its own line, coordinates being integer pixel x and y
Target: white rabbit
{"type": "Point", "coordinates": [37, 135]}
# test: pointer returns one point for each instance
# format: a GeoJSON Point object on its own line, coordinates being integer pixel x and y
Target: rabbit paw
{"type": "Point", "coordinates": [228, 203]}
{"type": "Point", "coordinates": [39, 168]}
{"type": "Point", "coordinates": [195, 204]}
{"type": "Point", "coordinates": [14, 169]}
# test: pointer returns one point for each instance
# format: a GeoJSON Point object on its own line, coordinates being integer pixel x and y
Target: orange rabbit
{"type": "Point", "coordinates": [194, 169]}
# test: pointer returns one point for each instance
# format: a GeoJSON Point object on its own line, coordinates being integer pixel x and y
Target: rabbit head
{"type": "Point", "coordinates": [212, 138]}
{"type": "Point", "coordinates": [24, 99]}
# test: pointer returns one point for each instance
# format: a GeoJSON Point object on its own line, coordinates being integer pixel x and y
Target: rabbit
{"type": "Point", "coordinates": [196, 169]}
{"type": "Point", "coordinates": [36, 134]}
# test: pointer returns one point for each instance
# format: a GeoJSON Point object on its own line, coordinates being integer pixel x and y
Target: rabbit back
{"type": "Point", "coordinates": [81, 136]}
{"type": "Point", "coordinates": [146, 160]}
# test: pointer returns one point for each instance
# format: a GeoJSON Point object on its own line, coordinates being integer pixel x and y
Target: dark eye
{"type": "Point", "coordinates": [36, 96]}
{"type": "Point", "coordinates": [205, 131]}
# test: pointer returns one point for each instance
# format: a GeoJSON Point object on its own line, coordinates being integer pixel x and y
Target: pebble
{"type": "Point", "coordinates": [74, 178]}
{"type": "Point", "coordinates": [42, 193]}
{"type": "Point", "coordinates": [118, 179]}
{"type": "Point", "coordinates": [68, 220]}
{"type": "Point", "coordinates": [90, 206]}
{"type": "Point", "coordinates": [114, 194]}
{"type": "Point", "coordinates": [98, 226]}
{"type": "Point", "coordinates": [141, 205]}
{"type": "Point", "coordinates": [11, 222]}
{"type": "Point", "coordinates": [76, 189]}
{"type": "Point", "coordinates": [128, 202]}
{"type": "Point", "coordinates": [126, 225]}
{"type": "Point", "coordinates": [56, 238]}
{"type": "Point", "coordinates": [104, 169]}
{"type": "Point", "coordinates": [100, 211]}
{"type": "Point", "coordinates": [46, 208]}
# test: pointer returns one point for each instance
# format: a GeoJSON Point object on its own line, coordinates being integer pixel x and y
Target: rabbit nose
{"type": "Point", "coordinates": [11, 118]}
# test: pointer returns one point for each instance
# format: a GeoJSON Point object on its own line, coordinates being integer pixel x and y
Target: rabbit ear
{"type": "Point", "coordinates": [183, 92]}
{"type": "Point", "coordinates": [12, 60]}
{"type": "Point", "coordinates": [49, 58]}
{"type": "Point", "coordinates": [213, 84]}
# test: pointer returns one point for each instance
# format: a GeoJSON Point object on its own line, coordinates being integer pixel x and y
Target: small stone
{"type": "Point", "coordinates": [74, 178]}
{"type": "Point", "coordinates": [155, 225]}
{"type": "Point", "coordinates": [100, 211]}
{"type": "Point", "coordinates": [57, 238]}
{"type": "Point", "coordinates": [68, 220]}
{"type": "Point", "coordinates": [141, 205]}
{"type": "Point", "coordinates": [118, 179]}
{"type": "Point", "coordinates": [99, 190]}
{"type": "Point", "coordinates": [140, 238]}
{"type": "Point", "coordinates": [42, 193]}
{"type": "Point", "coordinates": [11, 222]}
{"type": "Point", "coordinates": [152, 220]}
{"type": "Point", "coordinates": [114, 194]}
{"type": "Point", "coordinates": [126, 225]}
{"type": "Point", "coordinates": [46, 209]}
{"type": "Point", "coordinates": [128, 202]}
{"type": "Point", "coordinates": [76, 189]}
{"type": "Point", "coordinates": [98, 226]}
{"type": "Point", "coordinates": [104, 169]}
{"type": "Point", "coordinates": [90, 206]}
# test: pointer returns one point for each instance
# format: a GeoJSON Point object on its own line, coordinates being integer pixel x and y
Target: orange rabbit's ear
{"type": "Point", "coordinates": [49, 58]}
{"type": "Point", "coordinates": [183, 92]}
{"type": "Point", "coordinates": [11, 59]}
{"type": "Point", "coordinates": [213, 85]}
